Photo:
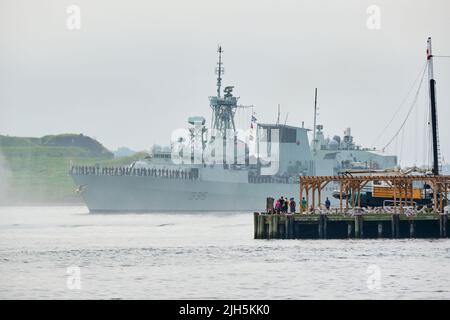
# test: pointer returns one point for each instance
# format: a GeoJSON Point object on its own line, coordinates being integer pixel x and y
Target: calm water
{"type": "Point", "coordinates": [195, 256]}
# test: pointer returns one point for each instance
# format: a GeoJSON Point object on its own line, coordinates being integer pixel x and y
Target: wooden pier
{"type": "Point", "coordinates": [400, 185]}
{"type": "Point", "coordinates": [345, 226]}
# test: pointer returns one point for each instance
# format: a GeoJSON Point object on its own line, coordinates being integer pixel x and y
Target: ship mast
{"type": "Point", "coordinates": [219, 71]}
{"type": "Point", "coordinates": [434, 129]}
{"type": "Point", "coordinates": [223, 107]}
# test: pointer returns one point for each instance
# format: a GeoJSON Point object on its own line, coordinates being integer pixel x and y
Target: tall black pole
{"type": "Point", "coordinates": [433, 109]}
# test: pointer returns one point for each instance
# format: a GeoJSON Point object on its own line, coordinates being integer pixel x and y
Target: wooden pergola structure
{"type": "Point", "coordinates": [402, 186]}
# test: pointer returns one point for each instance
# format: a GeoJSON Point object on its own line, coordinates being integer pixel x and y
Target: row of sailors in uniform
{"type": "Point", "coordinates": [272, 179]}
{"type": "Point", "coordinates": [150, 172]}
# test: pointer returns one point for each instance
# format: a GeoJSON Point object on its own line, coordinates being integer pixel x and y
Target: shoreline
{"type": "Point", "coordinates": [42, 204]}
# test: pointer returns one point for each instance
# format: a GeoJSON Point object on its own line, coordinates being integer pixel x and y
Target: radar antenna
{"type": "Point", "coordinates": [219, 71]}
{"type": "Point", "coordinates": [223, 108]}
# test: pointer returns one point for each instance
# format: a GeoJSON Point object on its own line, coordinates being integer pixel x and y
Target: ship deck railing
{"type": "Point", "coordinates": [187, 174]}
{"type": "Point", "coordinates": [273, 179]}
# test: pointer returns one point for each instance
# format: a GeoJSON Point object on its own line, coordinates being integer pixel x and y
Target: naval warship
{"type": "Point", "coordinates": [224, 168]}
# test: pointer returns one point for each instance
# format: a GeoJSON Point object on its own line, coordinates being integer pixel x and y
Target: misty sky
{"type": "Point", "coordinates": [136, 70]}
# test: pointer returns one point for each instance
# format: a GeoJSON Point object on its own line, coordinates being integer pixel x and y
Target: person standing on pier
{"type": "Point", "coordinates": [304, 204]}
{"type": "Point", "coordinates": [292, 205]}
{"type": "Point", "coordinates": [277, 206]}
{"type": "Point", "coordinates": [284, 205]}
{"type": "Point", "coordinates": [327, 204]}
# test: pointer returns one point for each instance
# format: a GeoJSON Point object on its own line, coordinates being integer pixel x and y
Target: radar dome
{"type": "Point", "coordinates": [333, 145]}
{"type": "Point", "coordinates": [337, 139]}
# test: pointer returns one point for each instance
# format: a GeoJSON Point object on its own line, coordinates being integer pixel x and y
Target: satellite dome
{"type": "Point", "coordinates": [337, 139]}
{"type": "Point", "coordinates": [333, 145]}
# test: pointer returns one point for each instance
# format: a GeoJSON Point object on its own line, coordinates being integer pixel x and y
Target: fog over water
{"type": "Point", "coordinates": [136, 70]}
{"type": "Point", "coordinates": [5, 176]}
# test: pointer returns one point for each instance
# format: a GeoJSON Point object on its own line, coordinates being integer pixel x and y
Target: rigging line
{"type": "Point", "coordinates": [410, 109]}
{"type": "Point", "coordinates": [441, 56]}
{"type": "Point", "coordinates": [422, 72]}
{"type": "Point", "coordinates": [416, 122]}
{"type": "Point", "coordinates": [396, 150]}
{"type": "Point", "coordinates": [402, 143]}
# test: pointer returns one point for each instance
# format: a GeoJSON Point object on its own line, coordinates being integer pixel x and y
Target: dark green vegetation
{"type": "Point", "coordinates": [35, 170]}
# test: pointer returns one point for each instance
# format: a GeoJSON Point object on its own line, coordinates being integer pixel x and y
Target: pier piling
{"type": "Point", "coordinates": [380, 230]}
{"type": "Point", "coordinates": [357, 226]}
{"type": "Point", "coordinates": [344, 226]}
{"type": "Point", "coordinates": [443, 219]}
{"type": "Point", "coordinates": [411, 228]}
{"type": "Point", "coordinates": [395, 226]}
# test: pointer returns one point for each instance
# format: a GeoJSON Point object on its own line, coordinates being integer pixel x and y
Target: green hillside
{"type": "Point", "coordinates": [35, 170]}
{"type": "Point", "coordinates": [63, 145]}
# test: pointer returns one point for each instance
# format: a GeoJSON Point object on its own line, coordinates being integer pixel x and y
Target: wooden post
{"type": "Point", "coordinates": [411, 228]}
{"type": "Point", "coordinates": [280, 228]}
{"type": "Point", "coordinates": [320, 227]}
{"type": "Point", "coordinates": [261, 227]}
{"type": "Point", "coordinates": [357, 227]}
{"type": "Point", "coordinates": [435, 197]}
{"type": "Point", "coordinates": [275, 226]}
{"type": "Point", "coordinates": [443, 219]}
{"type": "Point", "coordinates": [395, 226]}
{"type": "Point", "coordinates": [406, 193]}
{"type": "Point", "coordinates": [313, 187]}
{"type": "Point", "coordinates": [269, 204]}
{"type": "Point", "coordinates": [412, 194]}
{"type": "Point", "coordinates": [307, 198]}
{"type": "Point", "coordinates": [395, 198]}
{"type": "Point", "coordinates": [349, 230]}
{"type": "Point", "coordinates": [270, 227]}
{"type": "Point", "coordinates": [359, 197]}
{"type": "Point", "coordinates": [291, 227]}
{"type": "Point", "coordinates": [340, 197]}
{"type": "Point", "coordinates": [301, 196]}
{"type": "Point", "coordinates": [319, 191]}
{"type": "Point", "coordinates": [286, 228]}
{"type": "Point", "coordinates": [380, 229]}
{"type": "Point", "coordinates": [361, 226]}
{"type": "Point", "coordinates": [346, 197]}
{"type": "Point", "coordinates": [255, 224]}
{"type": "Point", "coordinates": [445, 195]}
{"type": "Point", "coordinates": [351, 195]}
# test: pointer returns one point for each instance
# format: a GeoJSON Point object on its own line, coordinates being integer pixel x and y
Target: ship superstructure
{"type": "Point", "coordinates": [343, 154]}
{"type": "Point", "coordinates": [216, 168]}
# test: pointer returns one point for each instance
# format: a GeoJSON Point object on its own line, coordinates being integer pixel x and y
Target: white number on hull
{"type": "Point", "coordinates": [197, 196]}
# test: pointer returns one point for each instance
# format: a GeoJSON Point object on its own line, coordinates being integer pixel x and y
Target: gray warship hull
{"type": "Point", "coordinates": [155, 194]}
